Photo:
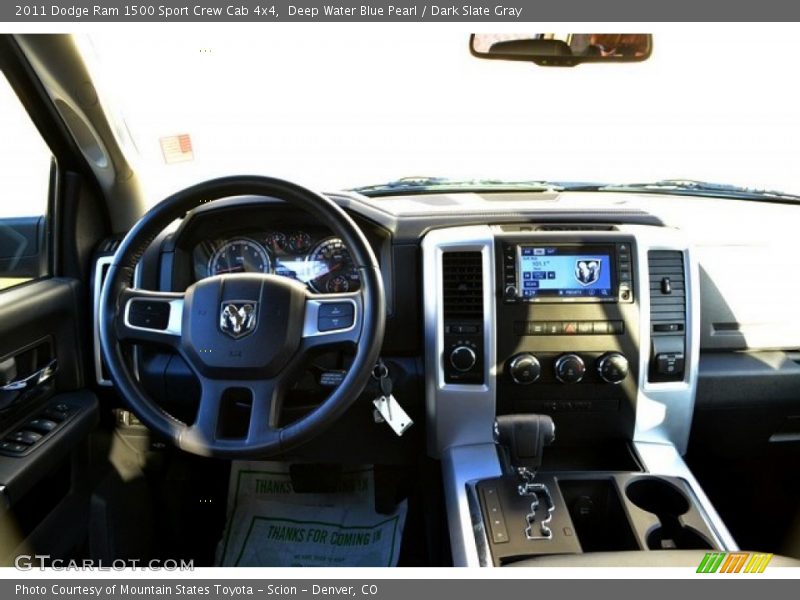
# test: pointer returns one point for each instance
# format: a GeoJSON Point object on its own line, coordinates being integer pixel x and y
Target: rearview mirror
{"type": "Point", "coordinates": [562, 49]}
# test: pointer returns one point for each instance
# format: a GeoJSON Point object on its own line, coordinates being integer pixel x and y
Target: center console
{"type": "Point", "coordinates": [567, 320]}
{"type": "Point", "coordinates": [592, 328]}
{"type": "Point", "coordinates": [525, 513]}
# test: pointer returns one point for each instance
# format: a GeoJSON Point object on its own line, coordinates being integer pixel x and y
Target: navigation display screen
{"type": "Point", "coordinates": [553, 273]}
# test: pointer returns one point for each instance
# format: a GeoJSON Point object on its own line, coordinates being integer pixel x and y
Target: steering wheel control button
{"type": "Point", "coordinates": [336, 309]}
{"type": "Point", "coordinates": [612, 367]}
{"type": "Point", "coordinates": [152, 314]}
{"type": "Point", "coordinates": [525, 369]}
{"type": "Point", "coordinates": [334, 323]}
{"type": "Point", "coordinates": [570, 368]}
{"type": "Point", "coordinates": [463, 358]}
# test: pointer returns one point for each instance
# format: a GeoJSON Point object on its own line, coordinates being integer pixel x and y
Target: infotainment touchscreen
{"type": "Point", "coordinates": [564, 273]}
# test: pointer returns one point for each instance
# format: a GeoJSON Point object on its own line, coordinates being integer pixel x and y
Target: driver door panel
{"type": "Point", "coordinates": [45, 422]}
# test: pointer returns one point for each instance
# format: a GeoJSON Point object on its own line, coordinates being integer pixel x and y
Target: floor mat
{"type": "Point", "coordinates": [270, 524]}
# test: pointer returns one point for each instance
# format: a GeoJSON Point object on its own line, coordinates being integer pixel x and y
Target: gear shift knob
{"type": "Point", "coordinates": [524, 438]}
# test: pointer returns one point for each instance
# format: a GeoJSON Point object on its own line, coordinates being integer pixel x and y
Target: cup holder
{"type": "Point", "coordinates": [670, 537]}
{"type": "Point", "coordinates": [667, 502]}
{"type": "Point", "coordinates": [657, 496]}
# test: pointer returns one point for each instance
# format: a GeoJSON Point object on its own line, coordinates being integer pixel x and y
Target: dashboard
{"type": "Point", "coordinates": [621, 316]}
{"type": "Point", "coordinates": [313, 256]}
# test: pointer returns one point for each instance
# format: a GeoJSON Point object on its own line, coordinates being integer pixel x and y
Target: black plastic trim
{"type": "Point", "coordinates": [19, 474]}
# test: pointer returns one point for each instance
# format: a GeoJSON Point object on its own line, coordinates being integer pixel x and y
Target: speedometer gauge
{"type": "Point", "coordinates": [332, 268]}
{"type": "Point", "coordinates": [241, 255]}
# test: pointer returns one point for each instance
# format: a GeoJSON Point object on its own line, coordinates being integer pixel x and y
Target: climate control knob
{"type": "Point", "coordinates": [612, 367]}
{"type": "Point", "coordinates": [524, 368]}
{"type": "Point", "coordinates": [570, 368]}
{"type": "Point", "coordinates": [463, 358]}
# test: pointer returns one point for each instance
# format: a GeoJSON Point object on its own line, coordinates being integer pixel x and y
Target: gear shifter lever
{"type": "Point", "coordinates": [524, 437]}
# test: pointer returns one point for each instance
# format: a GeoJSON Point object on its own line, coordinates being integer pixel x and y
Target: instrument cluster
{"type": "Point", "coordinates": [316, 258]}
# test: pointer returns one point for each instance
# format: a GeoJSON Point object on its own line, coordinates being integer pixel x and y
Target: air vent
{"type": "Point", "coordinates": [462, 275]}
{"type": "Point", "coordinates": [667, 291]}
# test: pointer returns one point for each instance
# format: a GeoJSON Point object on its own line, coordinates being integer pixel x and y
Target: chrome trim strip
{"type": "Point", "coordinates": [478, 526]}
{"type": "Point", "coordinates": [98, 287]}
{"type": "Point", "coordinates": [533, 490]}
{"type": "Point", "coordinates": [174, 324]}
{"type": "Point", "coordinates": [460, 417]}
{"type": "Point", "coordinates": [33, 380]}
{"type": "Point", "coordinates": [462, 466]}
{"type": "Point", "coordinates": [664, 410]}
{"type": "Point", "coordinates": [310, 325]}
{"type": "Point", "coordinates": [457, 414]}
{"type": "Point", "coordinates": [664, 459]}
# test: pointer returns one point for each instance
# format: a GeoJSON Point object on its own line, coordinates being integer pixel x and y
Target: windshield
{"type": "Point", "coordinates": [340, 108]}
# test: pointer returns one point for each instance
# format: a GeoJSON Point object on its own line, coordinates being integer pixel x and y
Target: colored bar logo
{"type": "Point", "coordinates": [734, 562]}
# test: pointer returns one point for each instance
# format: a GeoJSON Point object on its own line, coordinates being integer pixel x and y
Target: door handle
{"type": "Point", "coordinates": [33, 380]}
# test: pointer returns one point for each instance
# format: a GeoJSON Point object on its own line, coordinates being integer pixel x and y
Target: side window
{"type": "Point", "coordinates": [24, 180]}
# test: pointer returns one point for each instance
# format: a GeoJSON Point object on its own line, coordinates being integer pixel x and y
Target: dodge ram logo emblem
{"type": "Point", "coordinates": [237, 319]}
{"type": "Point", "coordinates": [587, 271]}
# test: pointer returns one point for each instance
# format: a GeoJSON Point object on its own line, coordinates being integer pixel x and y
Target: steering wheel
{"type": "Point", "coordinates": [241, 333]}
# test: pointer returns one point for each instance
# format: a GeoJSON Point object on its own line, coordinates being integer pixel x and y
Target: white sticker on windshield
{"type": "Point", "coordinates": [177, 148]}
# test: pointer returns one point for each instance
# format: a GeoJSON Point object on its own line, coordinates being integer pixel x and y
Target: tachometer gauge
{"type": "Point", "coordinates": [276, 241]}
{"type": "Point", "coordinates": [241, 255]}
{"type": "Point", "coordinates": [299, 242]}
{"type": "Point", "coordinates": [331, 268]}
